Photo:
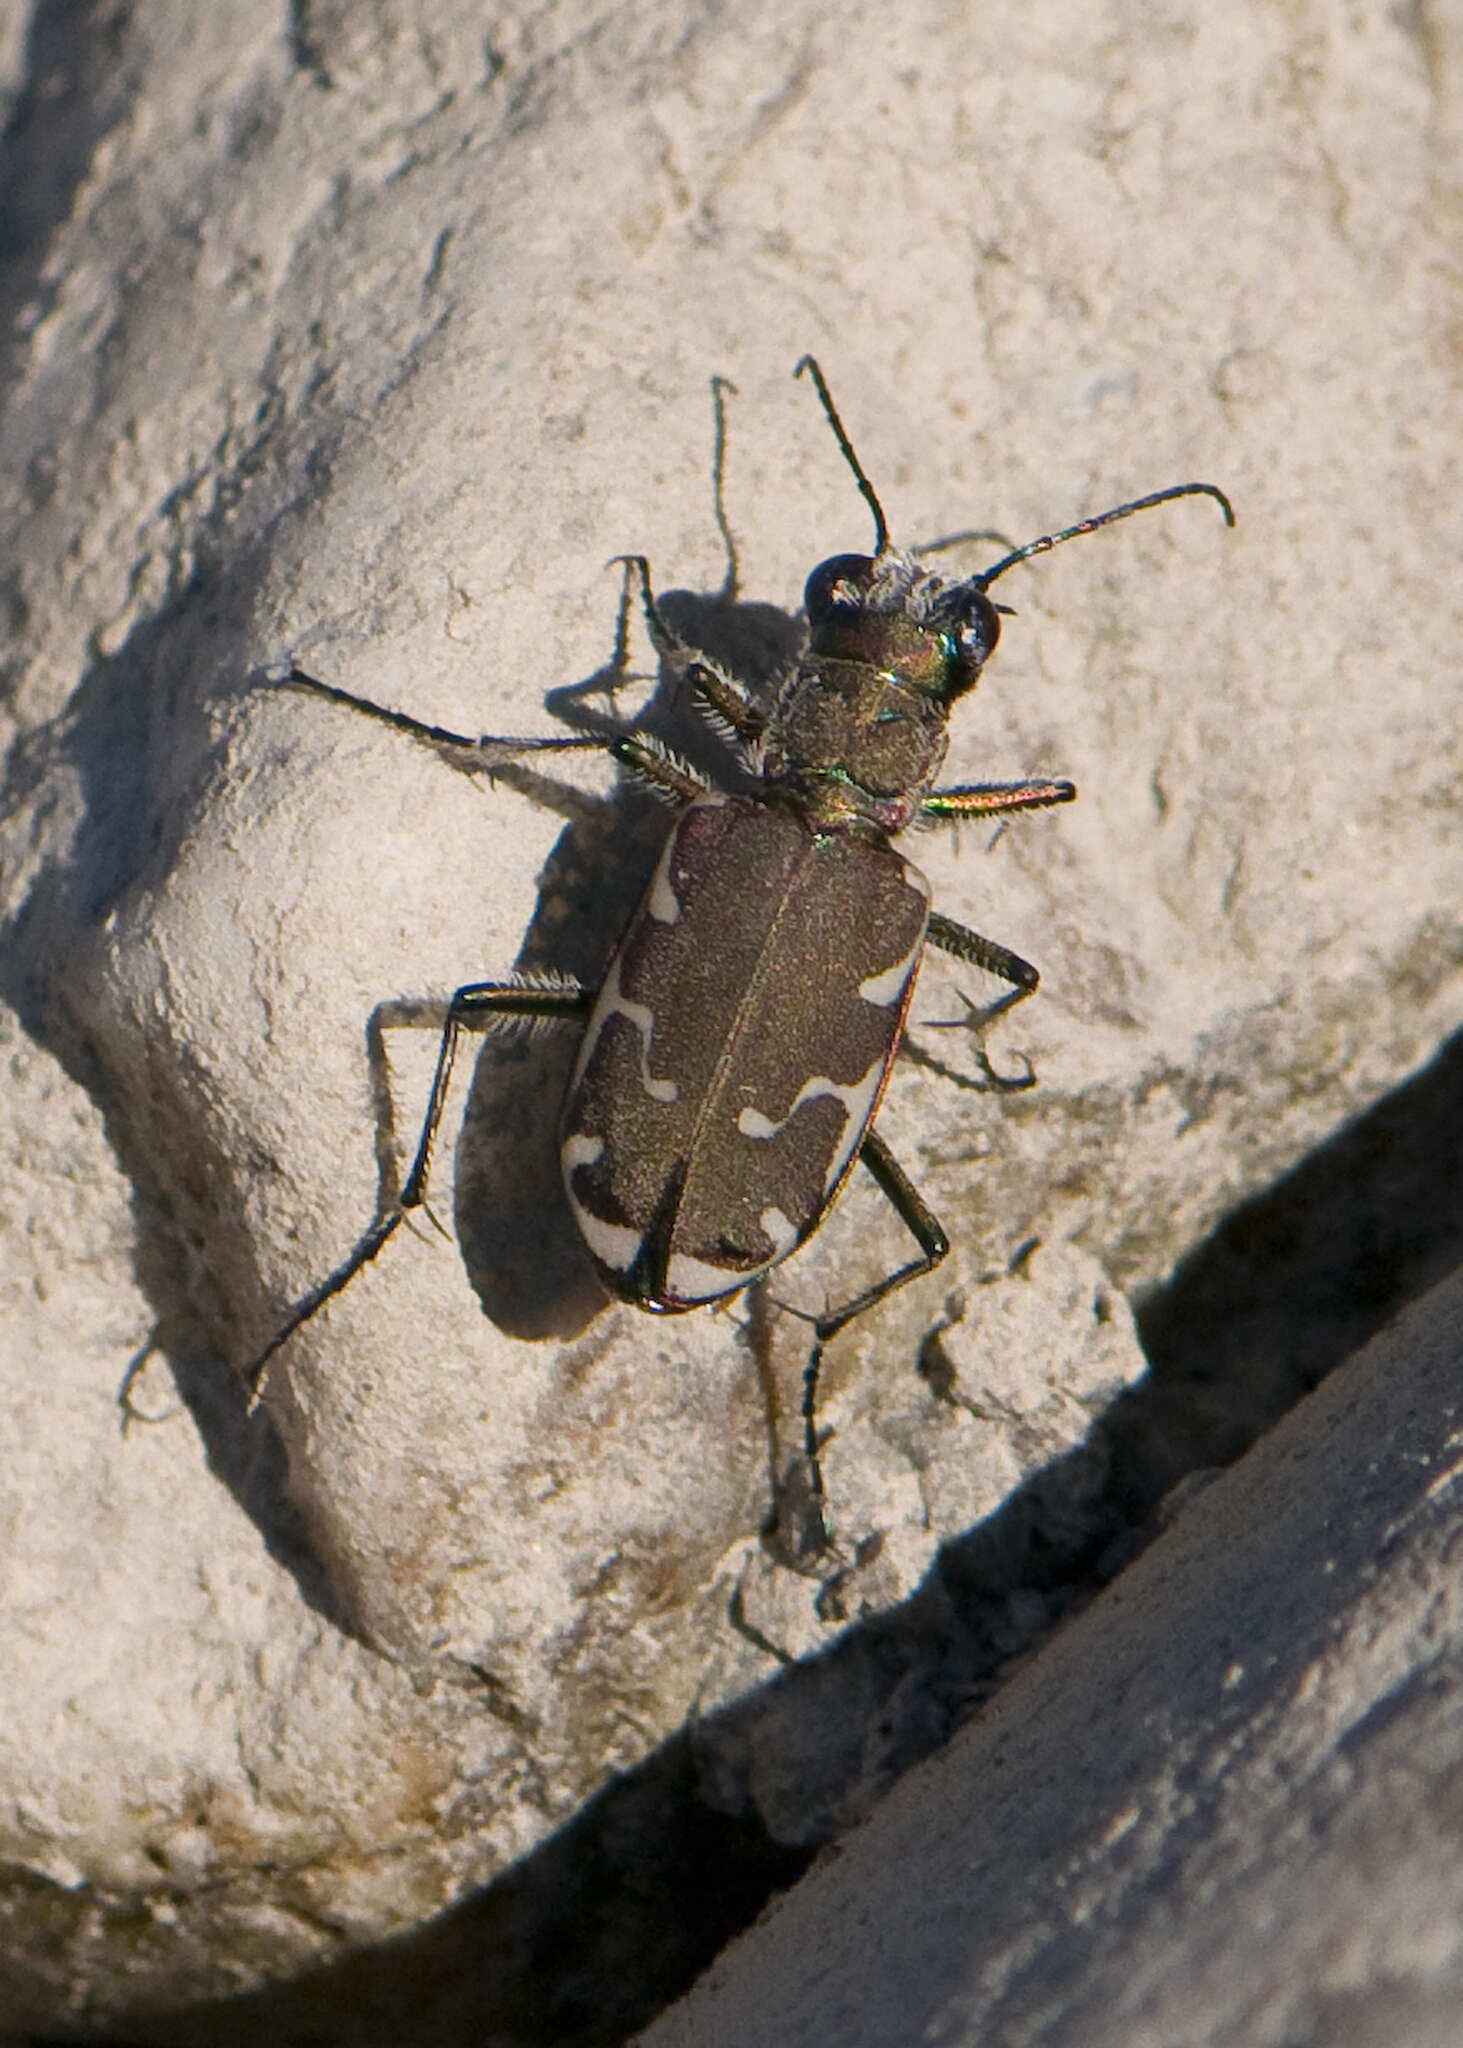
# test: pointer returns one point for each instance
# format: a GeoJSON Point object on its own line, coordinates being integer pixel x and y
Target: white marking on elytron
{"type": "Point", "coordinates": [857, 1100]}
{"type": "Point", "coordinates": [753, 1124]}
{"type": "Point", "coordinates": [613, 1003]}
{"type": "Point", "coordinates": [662, 902]}
{"type": "Point", "coordinates": [886, 988]}
{"type": "Point", "coordinates": [781, 1229]}
{"type": "Point", "coordinates": [580, 1150]}
{"type": "Point", "coordinates": [614, 1244]}
{"type": "Point", "coordinates": [691, 1279]}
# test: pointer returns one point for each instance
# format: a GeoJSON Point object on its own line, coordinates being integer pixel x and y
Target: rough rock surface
{"type": "Point", "coordinates": [369, 337]}
{"type": "Point", "coordinates": [1221, 1808]}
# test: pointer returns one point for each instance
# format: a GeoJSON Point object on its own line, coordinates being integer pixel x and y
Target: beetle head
{"type": "Point", "coordinates": [889, 613]}
{"type": "Point", "coordinates": [861, 728]}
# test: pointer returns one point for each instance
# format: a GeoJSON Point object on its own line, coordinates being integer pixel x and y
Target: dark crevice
{"type": "Point", "coordinates": [1294, 1281]}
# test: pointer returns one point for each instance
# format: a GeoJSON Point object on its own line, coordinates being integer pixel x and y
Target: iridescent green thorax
{"type": "Point", "coordinates": [860, 738]}
{"type": "Point", "coordinates": [853, 743]}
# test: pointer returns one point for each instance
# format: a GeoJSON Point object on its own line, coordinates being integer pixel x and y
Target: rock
{"type": "Point", "coordinates": [1220, 1807]}
{"type": "Point", "coordinates": [370, 344]}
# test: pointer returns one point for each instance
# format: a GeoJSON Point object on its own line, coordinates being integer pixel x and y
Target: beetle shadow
{"type": "Point", "coordinates": [145, 731]}
{"type": "Point", "coordinates": [520, 1246]}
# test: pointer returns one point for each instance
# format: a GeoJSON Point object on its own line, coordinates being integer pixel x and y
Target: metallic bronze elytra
{"type": "Point", "coordinates": [736, 1052]}
{"type": "Point", "coordinates": [738, 1049]}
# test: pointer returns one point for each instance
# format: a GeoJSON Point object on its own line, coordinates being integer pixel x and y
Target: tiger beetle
{"type": "Point", "coordinates": [736, 1051]}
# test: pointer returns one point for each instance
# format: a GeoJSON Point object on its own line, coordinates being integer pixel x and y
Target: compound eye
{"type": "Point", "coordinates": [981, 627]}
{"type": "Point", "coordinates": [978, 638]}
{"type": "Point", "coordinates": [838, 586]}
{"type": "Point", "coordinates": [973, 634]}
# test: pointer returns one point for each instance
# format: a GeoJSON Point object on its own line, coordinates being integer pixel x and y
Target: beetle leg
{"type": "Point", "coordinates": [487, 751]}
{"type": "Point", "coordinates": [977, 799]}
{"type": "Point", "coordinates": [640, 752]}
{"type": "Point", "coordinates": [720, 695]}
{"type": "Point", "coordinates": [723, 699]}
{"type": "Point", "coordinates": [663, 637]}
{"type": "Point", "coordinates": [924, 1227]}
{"type": "Point", "coordinates": [668, 775]}
{"type": "Point", "coordinates": [955, 938]}
{"type": "Point", "coordinates": [472, 1008]}
{"type": "Point", "coordinates": [965, 944]}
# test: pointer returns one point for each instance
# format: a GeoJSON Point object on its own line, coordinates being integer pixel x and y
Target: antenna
{"type": "Point", "coordinates": [1048, 541]}
{"type": "Point", "coordinates": [881, 525]}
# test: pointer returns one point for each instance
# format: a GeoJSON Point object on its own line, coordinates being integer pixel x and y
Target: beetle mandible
{"type": "Point", "coordinates": [736, 1051]}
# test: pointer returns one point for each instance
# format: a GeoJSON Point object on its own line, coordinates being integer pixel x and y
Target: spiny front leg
{"type": "Point", "coordinates": [980, 799]}
{"type": "Point", "coordinates": [640, 753]}
{"type": "Point", "coordinates": [719, 693]}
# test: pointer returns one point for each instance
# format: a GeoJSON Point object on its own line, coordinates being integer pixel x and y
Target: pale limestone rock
{"type": "Point", "coordinates": [372, 342]}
